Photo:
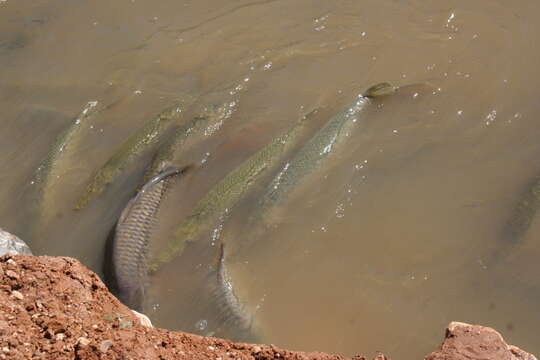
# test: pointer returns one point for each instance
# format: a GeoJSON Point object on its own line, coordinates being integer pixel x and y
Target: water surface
{"type": "Point", "coordinates": [399, 234]}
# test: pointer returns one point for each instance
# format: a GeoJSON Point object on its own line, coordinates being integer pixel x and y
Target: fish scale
{"type": "Point", "coordinates": [132, 234]}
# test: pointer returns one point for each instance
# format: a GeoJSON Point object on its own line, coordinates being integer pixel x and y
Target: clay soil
{"type": "Point", "coordinates": [55, 308]}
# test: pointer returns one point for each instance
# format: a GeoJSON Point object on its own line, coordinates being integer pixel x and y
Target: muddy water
{"type": "Point", "coordinates": [401, 231]}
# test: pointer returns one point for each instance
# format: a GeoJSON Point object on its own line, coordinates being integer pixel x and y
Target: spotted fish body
{"type": "Point", "coordinates": [132, 234]}
{"type": "Point", "coordinates": [54, 164]}
{"type": "Point", "coordinates": [201, 125]}
{"type": "Point", "coordinates": [324, 142]}
{"type": "Point", "coordinates": [228, 192]}
{"type": "Point", "coordinates": [524, 213]}
{"type": "Point", "coordinates": [233, 312]}
{"type": "Point", "coordinates": [130, 150]}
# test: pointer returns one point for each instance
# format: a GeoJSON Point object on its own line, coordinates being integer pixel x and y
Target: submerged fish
{"type": "Point", "coordinates": [223, 196]}
{"type": "Point", "coordinates": [233, 313]}
{"type": "Point", "coordinates": [325, 141]}
{"type": "Point", "coordinates": [205, 123]}
{"type": "Point", "coordinates": [131, 238]}
{"type": "Point", "coordinates": [54, 165]}
{"type": "Point", "coordinates": [524, 213]}
{"type": "Point", "coordinates": [134, 146]}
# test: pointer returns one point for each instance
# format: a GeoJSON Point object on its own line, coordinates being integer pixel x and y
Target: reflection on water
{"type": "Point", "coordinates": [400, 232]}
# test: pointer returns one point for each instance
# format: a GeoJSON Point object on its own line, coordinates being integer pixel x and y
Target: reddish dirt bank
{"type": "Point", "coordinates": [55, 308]}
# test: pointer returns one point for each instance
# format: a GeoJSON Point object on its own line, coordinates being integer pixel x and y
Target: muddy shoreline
{"type": "Point", "coordinates": [56, 308]}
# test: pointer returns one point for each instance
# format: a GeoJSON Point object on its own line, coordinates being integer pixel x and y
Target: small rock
{"type": "Point", "coordinates": [5, 349]}
{"type": "Point", "coordinates": [83, 341]}
{"type": "Point", "coordinates": [105, 345]}
{"type": "Point", "coordinates": [17, 294]}
{"type": "Point", "coordinates": [60, 336]}
{"type": "Point", "coordinates": [257, 349]}
{"type": "Point", "coordinates": [143, 319]}
{"type": "Point", "coordinates": [12, 274]}
{"type": "Point", "coordinates": [211, 348]}
{"type": "Point", "coordinates": [473, 342]}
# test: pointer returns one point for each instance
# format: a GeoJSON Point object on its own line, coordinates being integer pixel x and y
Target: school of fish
{"type": "Point", "coordinates": [279, 167]}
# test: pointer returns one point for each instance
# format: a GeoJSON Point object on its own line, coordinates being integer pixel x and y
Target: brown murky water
{"type": "Point", "coordinates": [398, 233]}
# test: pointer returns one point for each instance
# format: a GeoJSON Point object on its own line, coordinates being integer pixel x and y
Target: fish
{"type": "Point", "coordinates": [131, 237]}
{"type": "Point", "coordinates": [314, 152]}
{"type": "Point", "coordinates": [53, 166]}
{"type": "Point", "coordinates": [229, 191]}
{"type": "Point", "coordinates": [205, 123]}
{"type": "Point", "coordinates": [233, 313]}
{"type": "Point", "coordinates": [128, 152]}
{"type": "Point", "coordinates": [524, 213]}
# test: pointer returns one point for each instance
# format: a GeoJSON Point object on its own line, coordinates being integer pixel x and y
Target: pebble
{"type": "Point", "coordinates": [143, 319]}
{"type": "Point", "coordinates": [83, 341]}
{"type": "Point", "coordinates": [105, 345]}
{"type": "Point", "coordinates": [17, 294]}
{"type": "Point", "coordinates": [257, 349]}
{"type": "Point", "coordinates": [12, 274]}
{"type": "Point", "coordinates": [60, 336]}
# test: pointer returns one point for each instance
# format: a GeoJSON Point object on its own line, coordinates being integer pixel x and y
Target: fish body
{"type": "Point", "coordinates": [310, 156]}
{"type": "Point", "coordinates": [205, 123]}
{"type": "Point", "coordinates": [130, 150]}
{"type": "Point", "coordinates": [233, 313]}
{"type": "Point", "coordinates": [132, 233]}
{"type": "Point", "coordinates": [223, 196]}
{"type": "Point", "coordinates": [207, 116]}
{"type": "Point", "coordinates": [54, 165]}
{"type": "Point", "coordinates": [524, 213]}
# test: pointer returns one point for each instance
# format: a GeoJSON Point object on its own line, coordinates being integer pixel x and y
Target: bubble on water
{"type": "Point", "coordinates": [216, 233]}
{"type": "Point", "coordinates": [201, 325]}
{"type": "Point", "coordinates": [491, 117]}
{"type": "Point", "coordinates": [205, 158]}
{"type": "Point", "coordinates": [340, 210]}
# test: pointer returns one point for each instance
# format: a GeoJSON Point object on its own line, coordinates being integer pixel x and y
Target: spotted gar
{"type": "Point", "coordinates": [132, 233]}
{"type": "Point", "coordinates": [331, 136]}
{"type": "Point", "coordinates": [205, 123]}
{"type": "Point", "coordinates": [53, 166]}
{"type": "Point", "coordinates": [524, 213]}
{"type": "Point", "coordinates": [135, 145]}
{"type": "Point", "coordinates": [233, 313]}
{"type": "Point", "coordinates": [223, 196]}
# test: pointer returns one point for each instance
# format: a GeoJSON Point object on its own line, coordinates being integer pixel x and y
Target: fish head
{"type": "Point", "coordinates": [380, 89]}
